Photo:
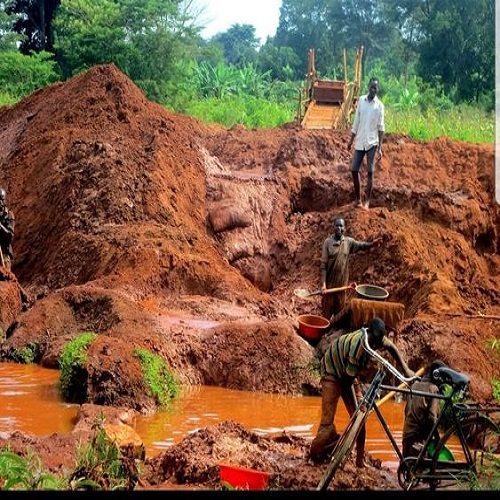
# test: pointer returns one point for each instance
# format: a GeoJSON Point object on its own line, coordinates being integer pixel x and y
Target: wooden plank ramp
{"type": "Point", "coordinates": [321, 116]}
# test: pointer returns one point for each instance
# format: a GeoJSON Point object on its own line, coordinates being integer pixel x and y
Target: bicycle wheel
{"type": "Point", "coordinates": [482, 437]}
{"type": "Point", "coordinates": [406, 477]}
{"type": "Point", "coordinates": [484, 442]}
{"type": "Point", "coordinates": [343, 448]}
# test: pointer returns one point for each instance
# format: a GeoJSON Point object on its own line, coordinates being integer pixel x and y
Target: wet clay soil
{"type": "Point", "coordinates": [153, 229]}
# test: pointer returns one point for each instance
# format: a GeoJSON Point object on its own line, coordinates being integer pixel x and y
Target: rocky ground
{"type": "Point", "coordinates": [153, 229]}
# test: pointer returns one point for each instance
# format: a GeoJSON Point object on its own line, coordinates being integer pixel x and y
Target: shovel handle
{"type": "Point", "coordinates": [340, 288]}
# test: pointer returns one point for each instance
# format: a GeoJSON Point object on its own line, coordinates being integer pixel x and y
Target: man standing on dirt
{"type": "Point", "coordinates": [340, 365]}
{"type": "Point", "coordinates": [367, 134]}
{"type": "Point", "coordinates": [6, 231]}
{"type": "Point", "coordinates": [334, 266]}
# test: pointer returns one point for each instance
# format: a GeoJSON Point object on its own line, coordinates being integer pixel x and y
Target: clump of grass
{"type": "Point", "coordinates": [7, 99]}
{"type": "Point", "coordinates": [100, 464]}
{"type": "Point", "coordinates": [25, 473]}
{"type": "Point", "coordinates": [488, 475]}
{"type": "Point", "coordinates": [27, 354]}
{"type": "Point", "coordinates": [73, 375]}
{"type": "Point", "coordinates": [494, 344]}
{"type": "Point", "coordinates": [495, 385]}
{"type": "Point", "coordinates": [158, 377]}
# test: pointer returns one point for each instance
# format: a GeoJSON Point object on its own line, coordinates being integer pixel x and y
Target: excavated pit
{"type": "Point", "coordinates": [129, 217]}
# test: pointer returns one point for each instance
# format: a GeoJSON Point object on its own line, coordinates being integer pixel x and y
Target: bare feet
{"type": "Point", "coordinates": [358, 204]}
{"type": "Point", "coordinates": [366, 205]}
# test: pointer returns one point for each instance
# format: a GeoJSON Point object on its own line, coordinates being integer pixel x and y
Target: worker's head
{"type": "Point", "coordinates": [3, 195]}
{"type": "Point", "coordinates": [376, 333]}
{"type": "Point", "coordinates": [373, 87]}
{"type": "Point", "coordinates": [339, 226]}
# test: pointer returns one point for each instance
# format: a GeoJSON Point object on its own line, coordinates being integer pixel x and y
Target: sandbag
{"type": "Point", "coordinates": [363, 311]}
{"type": "Point", "coordinates": [228, 215]}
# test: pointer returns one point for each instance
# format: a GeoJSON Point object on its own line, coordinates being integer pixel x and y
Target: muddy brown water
{"type": "Point", "coordinates": [30, 402]}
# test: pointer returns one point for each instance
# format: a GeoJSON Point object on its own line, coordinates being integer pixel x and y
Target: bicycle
{"type": "Point", "coordinates": [433, 463]}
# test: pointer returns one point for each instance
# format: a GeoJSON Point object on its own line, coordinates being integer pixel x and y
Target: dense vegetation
{"type": "Point", "coordinates": [434, 58]}
{"type": "Point", "coordinates": [100, 465]}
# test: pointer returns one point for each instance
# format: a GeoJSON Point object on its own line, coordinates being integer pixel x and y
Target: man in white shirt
{"type": "Point", "coordinates": [367, 134]}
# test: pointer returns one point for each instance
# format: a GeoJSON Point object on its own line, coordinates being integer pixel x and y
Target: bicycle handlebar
{"type": "Point", "coordinates": [392, 369]}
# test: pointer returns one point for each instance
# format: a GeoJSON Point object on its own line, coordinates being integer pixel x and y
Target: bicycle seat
{"type": "Point", "coordinates": [446, 375]}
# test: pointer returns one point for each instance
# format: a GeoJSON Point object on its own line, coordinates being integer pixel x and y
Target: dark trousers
{"type": "Point", "coordinates": [327, 435]}
{"type": "Point", "coordinates": [358, 156]}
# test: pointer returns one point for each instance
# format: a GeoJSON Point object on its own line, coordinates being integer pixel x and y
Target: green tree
{"type": "Point", "coordinates": [253, 83]}
{"type": "Point", "coordinates": [330, 26]}
{"type": "Point", "coordinates": [318, 24]}
{"type": "Point", "coordinates": [239, 44]}
{"type": "Point", "coordinates": [281, 62]}
{"type": "Point", "coordinates": [458, 46]}
{"type": "Point", "coordinates": [405, 18]}
{"type": "Point", "coordinates": [88, 33]}
{"type": "Point", "coordinates": [34, 22]}
{"type": "Point", "coordinates": [365, 25]}
{"type": "Point", "coordinates": [21, 74]}
{"type": "Point", "coordinates": [147, 39]}
{"type": "Point", "coordinates": [8, 38]}
{"type": "Point", "coordinates": [158, 32]}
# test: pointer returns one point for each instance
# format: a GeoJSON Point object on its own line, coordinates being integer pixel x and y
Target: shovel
{"type": "Point", "coordinates": [303, 293]}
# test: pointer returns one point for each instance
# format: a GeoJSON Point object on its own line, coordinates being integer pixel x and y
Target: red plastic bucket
{"type": "Point", "coordinates": [312, 327]}
{"type": "Point", "coordinates": [243, 478]}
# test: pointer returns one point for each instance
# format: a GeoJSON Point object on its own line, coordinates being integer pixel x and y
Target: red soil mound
{"type": "Point", "coordinates": [153, 229]}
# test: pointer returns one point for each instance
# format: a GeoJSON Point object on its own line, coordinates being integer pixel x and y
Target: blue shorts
{"type": "Point", "coordinates": [357, 159]}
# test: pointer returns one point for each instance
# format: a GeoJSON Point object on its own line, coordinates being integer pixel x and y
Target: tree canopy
{"type": "Point", "coordinates": [448, 44]}
{"type": "Point", "coordinates": [34, 22]}
{"type": "Point", "coordinates": [239, 44]}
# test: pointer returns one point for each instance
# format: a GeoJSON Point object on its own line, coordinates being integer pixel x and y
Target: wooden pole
{"type": "Point", "coordinates": [359, 59]}
{"type": "Point", "coordinates": [473, 316]}
{"type": "Point", "coordinates": [391, 394]}
{"type": "Point", "coordinates": [345, 66]}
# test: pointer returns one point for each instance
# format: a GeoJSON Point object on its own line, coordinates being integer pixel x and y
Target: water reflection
{"type": "Point", "coordinates": [262, 413]}
{"type": "Point", "coordinates": [202, 406]}
{"type": "Point", "coordinates": [30, 402]}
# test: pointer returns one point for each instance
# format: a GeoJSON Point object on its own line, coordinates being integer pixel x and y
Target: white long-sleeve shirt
{"type": "Point", "coordinates": [368, 121]}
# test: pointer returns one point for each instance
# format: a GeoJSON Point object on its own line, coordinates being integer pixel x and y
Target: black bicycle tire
{"type": "Point", "coordinates": [406, 485]}
{"type": "Point", "coordinates": [480, 420]}
{"type": "Point", "coordinates": [343, 448]}
{"type": "Point", "coordinates": [487, 425]}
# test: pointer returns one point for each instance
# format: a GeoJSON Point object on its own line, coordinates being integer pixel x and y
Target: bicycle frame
{"type": "Point", "coordinates": [358, 418]}
{"type": "Point", "coordinates": [425, 466]}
